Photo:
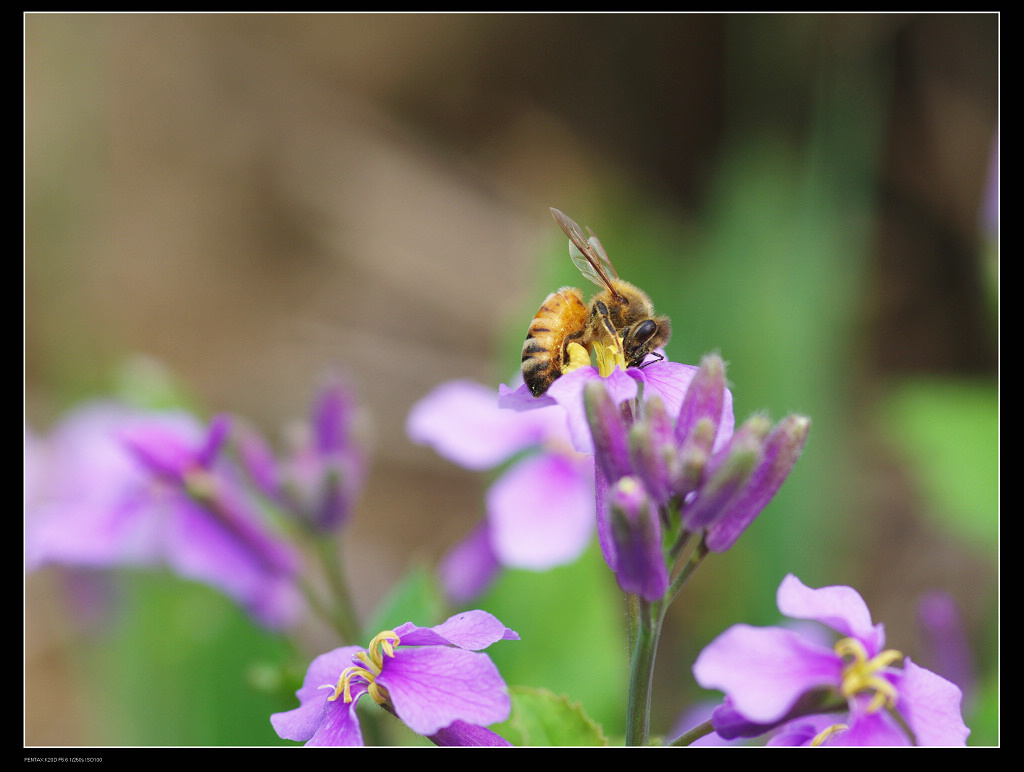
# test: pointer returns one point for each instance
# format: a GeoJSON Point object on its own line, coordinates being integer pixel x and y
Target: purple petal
{"type": "Point", "coordinates": [931, 706]}
{"type": "Point", "coordinates": [461, 420]}
{"type": "Point", "coordinates": [167, 448]}
{"type": "Point", "coordinates": [216, 435]}
{"type": "Point", "coordinates": [339, 727]}
{"type": "Point", "coordinates": [802, 730]}
{"type": "Point", "coordinates": [89, 498]}
{"type": "Point", "coordinates": [838, 606]}
{"type": "Point", "coordinates": [730, 724]}
{"type": "Point", "coordinates": [241, 562]}
{"type": "Point", "coordinates": [548, 494]}
{"type": "Point", "coordinates": [472, 630]}
{"type": "Point", "coordinates": [521, 399]}
{"type": "Point", "coordinates": [258, 459]}
{"type": "Point", "coordinates": [865, 730]}
{"type": "Point", "coordinates": [461, 734]}
{"type": "Point", "coordinates": [567, 391]}
{"type": "Point", "coordinates": [764, 670]}
{"type": "Point", "coordinates": [330, 723]}
{"type": "Point", "coordinates": [433, 686]}
{"type": "Point", "coordinates": [671, 381]}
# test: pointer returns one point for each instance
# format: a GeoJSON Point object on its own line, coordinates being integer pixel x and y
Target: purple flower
{"type": "Point", "coordinates": [441, 687]}
{"type": "Point", "coordinates": [942, 630]}
{"type": "Point", "coordinates": [719, 479]}
{"type": "Point", "coordinates": [321, 477]}
{"type": "Point", "coordinates": [772, 676]}
{"type": "Point", "coordinates": [667, 380]}
{"type": "Point", "coordinates": [540, 510]}
{"type": "Point", "coordinates": [117, 487]}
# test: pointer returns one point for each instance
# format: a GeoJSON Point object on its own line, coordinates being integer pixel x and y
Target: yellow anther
{"type": "Point", "coordinates": [578, 357]}
{"type": "Point", "coordinates": [608, 358]}
{"type": "Point", "coordinates": [382, 643]}
{"type": "Point", "coordinates": [827, 733]}
{"type": "Point", "coordinates": [863, 674]}
{"type": "Point", "coordinates": [373, 659]}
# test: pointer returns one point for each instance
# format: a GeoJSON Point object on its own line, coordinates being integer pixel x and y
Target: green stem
{"type": "Point", "coordinates": [693, 735]}
{"type": "Point", "coordinates": [641, 676]}
{"type": "Point", "coordinates": [342, 615]}
{"type": "Point", "coordinates": [696, 557]}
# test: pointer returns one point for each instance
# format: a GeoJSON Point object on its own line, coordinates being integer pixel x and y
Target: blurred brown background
{"type": "Point", "coordinates": [251, 199]}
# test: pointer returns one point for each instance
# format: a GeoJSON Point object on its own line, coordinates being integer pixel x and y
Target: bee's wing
{"type": "Point", "coordinates": [587, 267]}
{"type": "Point", "coordinates": [599, 248]}
{"type": "Point", "coordinates": [588, 258]}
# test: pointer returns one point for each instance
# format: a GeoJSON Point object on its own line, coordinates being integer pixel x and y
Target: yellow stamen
{"type": "Point", "coordinates": [863, 674]}
{"type": "Point", "coordinates": [608, 358]}
{"type": "Point", "coordinates": [578, 357]}
{"type": "Point", "coordinates": [373, 662]}
{"type": "Point", "coordinates": [825, 734]}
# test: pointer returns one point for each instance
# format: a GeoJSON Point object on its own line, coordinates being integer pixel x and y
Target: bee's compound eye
{"type": "Point", "coordinates": [644, 331]}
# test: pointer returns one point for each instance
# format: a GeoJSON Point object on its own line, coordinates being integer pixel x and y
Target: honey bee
{"type": "Point", "coordinates": [620, 316]}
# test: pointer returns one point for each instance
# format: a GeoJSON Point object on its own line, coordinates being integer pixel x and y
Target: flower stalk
{"type": "Point", "coordinates": [641, 671]}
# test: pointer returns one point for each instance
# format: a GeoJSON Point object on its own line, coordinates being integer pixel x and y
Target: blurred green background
{"type": "Point", "coordinates": [252, 199]}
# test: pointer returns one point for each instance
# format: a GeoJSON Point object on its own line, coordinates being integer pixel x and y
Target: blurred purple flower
{"type": "Point", "coordinates": [114, 486]}
{"type": "Point", "coordinates": [540, 509]}
{"type": "Point", "coordinates": [945, 641]}
{"type": "Point", "coordinates": [766, 672]}
{"type": "Point", "coordinates": [440, 688]}
{"type": "Point", "coordinates": [320, 478]}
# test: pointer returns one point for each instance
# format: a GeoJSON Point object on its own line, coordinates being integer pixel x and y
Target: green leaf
{"type": "Point", "coordinates": [542, 718]}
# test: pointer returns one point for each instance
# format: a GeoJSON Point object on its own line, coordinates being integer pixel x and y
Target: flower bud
{"type": "Point", "coordinates": [636, 535]}
{"type": "Point", "coordinates": [611, 441]}
{"type": "Point", "coordinates": [692, 458]}
{"type": "Point", "coordinates": [653, 452]}
{"type": "Point", "coordinates": [705, 398]}
{"type": "Point", "coordinates": [780, 452]}
{"type": "Point", "coordinates": [726, 475]}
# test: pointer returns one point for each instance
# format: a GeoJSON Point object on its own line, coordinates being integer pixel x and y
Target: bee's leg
{"type": "Point", "coordinates": [606, 321]}
{"type": "Point", "coordinates": [655, 353]}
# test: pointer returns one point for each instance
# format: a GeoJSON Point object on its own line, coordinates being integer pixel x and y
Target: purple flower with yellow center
{"type": "Point", "coordinates": [545, 488]}
{"type": "Point", "coordinates": [432, 678]}
{"type": "Point", "coordinates": [854, 693]}
{"type": "Point", "coordinates": [121, 487]}
{"type": "Point", "coordinates": [667, 380]}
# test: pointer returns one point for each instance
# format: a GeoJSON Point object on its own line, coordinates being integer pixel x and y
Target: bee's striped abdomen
{"type": "Point", "coordinates": [561, 318]}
